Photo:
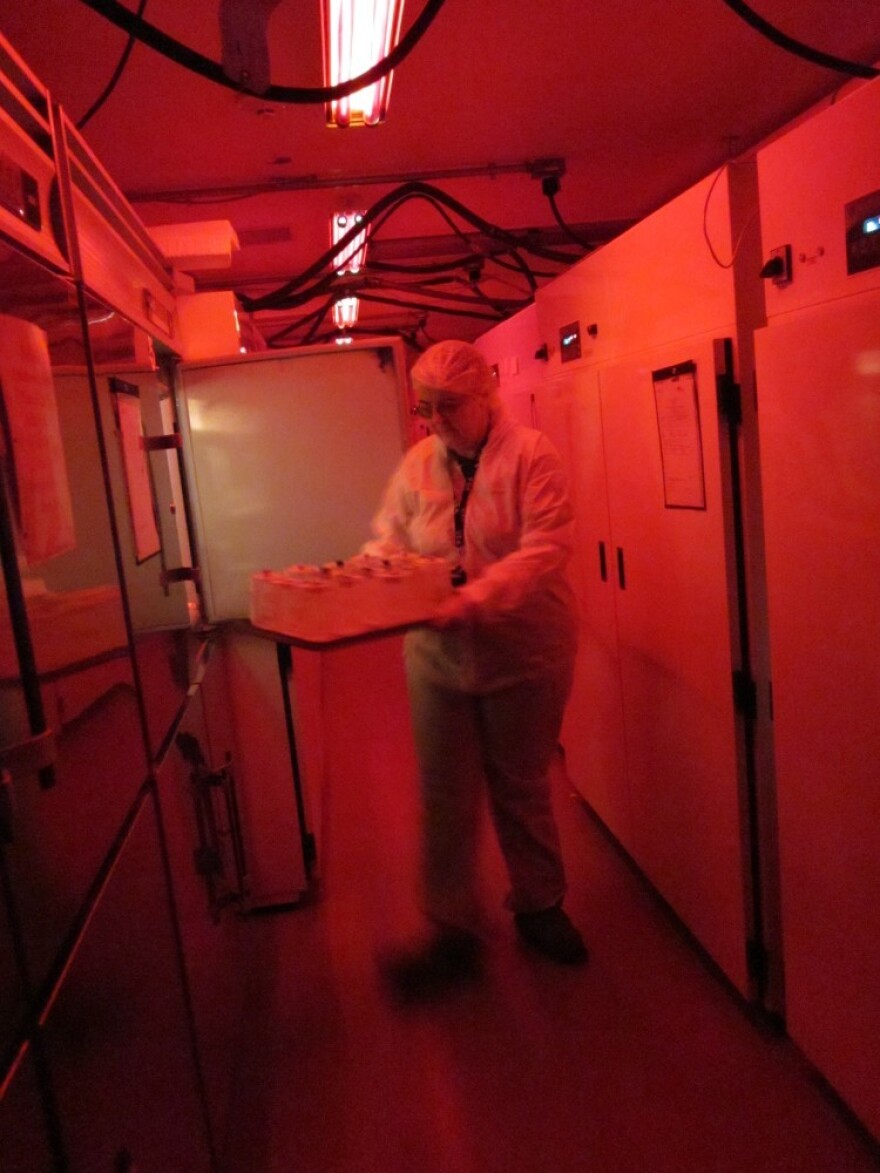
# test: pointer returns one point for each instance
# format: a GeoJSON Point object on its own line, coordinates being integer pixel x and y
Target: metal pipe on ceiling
{"type": "Point", "coordinates": [535, 169]}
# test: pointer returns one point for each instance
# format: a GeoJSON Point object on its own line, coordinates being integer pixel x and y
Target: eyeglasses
{"type": "Point", "coordinates": [444, 407]}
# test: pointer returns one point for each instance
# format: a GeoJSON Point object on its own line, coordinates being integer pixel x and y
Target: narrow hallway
{"type": "Point", "coordinates": [643, 1062]}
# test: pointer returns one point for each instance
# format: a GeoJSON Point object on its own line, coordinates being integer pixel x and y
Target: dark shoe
{"type": "Point", "coordinates": [449, 958]}
{"type": "Point", "coordinates": [551, 932]}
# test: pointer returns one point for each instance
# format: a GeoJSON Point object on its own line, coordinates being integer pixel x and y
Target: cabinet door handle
{"type": "Point", "coordinates": [603, 563]}
{"type": "Point", "coordinates": [621, 569]}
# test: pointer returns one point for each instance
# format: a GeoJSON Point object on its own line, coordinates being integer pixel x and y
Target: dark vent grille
{"type": "Point", "coordinates": [248, 237]}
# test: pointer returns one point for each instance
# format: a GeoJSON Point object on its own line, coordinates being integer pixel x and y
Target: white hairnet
{"type": "Point", "coordinates": [455, 366]}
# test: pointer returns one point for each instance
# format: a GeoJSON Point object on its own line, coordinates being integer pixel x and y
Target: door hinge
{"type": "Point", "coordinates": [162, 443]}
{"type": "Point", "coordinates": [729, 397]}
{"type": "Point", "coordinates": [745, 694]}
{"type": "Point", "coordinates": [180, 574]}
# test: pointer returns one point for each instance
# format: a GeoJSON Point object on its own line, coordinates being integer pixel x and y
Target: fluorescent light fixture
{"type": "Point", "coordinates": [357, 35]}
{"type": "Point", "coordinates": [345, 312]}
{"type": "Point", "coordinates": [350, 259]}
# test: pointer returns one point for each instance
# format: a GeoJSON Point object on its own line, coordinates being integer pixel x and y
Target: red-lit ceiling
{"type": "Point", "coordinates": [638, 99]}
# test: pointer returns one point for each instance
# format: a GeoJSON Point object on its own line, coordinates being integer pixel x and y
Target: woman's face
{"type": "Point", "coordinates": [461, 421]}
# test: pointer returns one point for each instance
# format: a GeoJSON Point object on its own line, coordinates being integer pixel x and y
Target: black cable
{"type": "Point", "coordinates": [569, 232]}
{"type": "Point", "coordinates": [114, 77]}
{"type": "Point", "coordinates": [393, 199]}
{"type": "Point", "coordinates": [465, 213]}
{"type": "Point", "coordinates": [125, 19]}
{"type": "Point", "coordinates": [325, 260]}
{"type": "Point", "coordinates": [498, 259]}
{"type": "Point", "coordinates": [550, 188]}
{"type": "Point", "coordinates": [504, 305]}
{"type": "Point", "coordinates": [371, 281]}
{"type": "Point", "coordinates": [376, 273]}
{"type": "Point", "coordinates": [316, 317]}
{"type": "Point", "coordinates": [382, 217]}
{"type": "Point", "coordinates": [511, 239]}
{"type": "Point", "coordinates": [328, 284]}
{"type": "Point", "coordinates": [798, 47]}
{"type": "Point", "coordinates": [462, 262]}
{"type": "Point", "coordinates": [322, 278]}
{"type": "Point", "coordinates": [496, 303]}
{"type": "Point", "coordinates": [353, 285]}
{"type": "Point", "coordinates": [438, 309]}
{"type": "Point", "coordinates": [319, 321]}
{"type": "Point", "coordinates": [292, 327]}
{"type": "Point", "coordinates": [444, 215]}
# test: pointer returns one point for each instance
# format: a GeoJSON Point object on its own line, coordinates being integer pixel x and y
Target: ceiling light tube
{"type": "Point", "coordinates": [350, 259]}
{"type": "Point", "coordinates": [345, 312]}
{"type": "Point", "coordinates": [357, 35]}
{"type": "Point", "coordinates": [352, 256]}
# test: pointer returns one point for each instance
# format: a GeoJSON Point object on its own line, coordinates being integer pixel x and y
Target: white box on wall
{"type": "Point", "coordinates": [208, 326]}
{"type": "Point", "coordinates": [206, 244]}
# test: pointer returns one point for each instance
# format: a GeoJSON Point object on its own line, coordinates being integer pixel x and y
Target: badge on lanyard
{"type": "Point", "coordinates": [469, 471]}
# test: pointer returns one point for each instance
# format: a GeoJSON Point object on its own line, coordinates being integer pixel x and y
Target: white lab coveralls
{"type": "Point", "coordinates": [487, 698]}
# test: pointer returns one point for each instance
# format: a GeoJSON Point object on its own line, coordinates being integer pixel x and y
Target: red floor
{"type": "Point", "coordinates": [643, 1062]}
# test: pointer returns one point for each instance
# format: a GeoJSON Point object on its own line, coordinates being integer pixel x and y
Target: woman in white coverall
{"type": "Point", "coordinates": [489, 677]}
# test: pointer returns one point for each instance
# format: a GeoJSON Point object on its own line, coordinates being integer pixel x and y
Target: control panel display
{"type": "Point", "coordinates": [19, 193]}
{"type": "Point", "coordinates": [570, 342]}
{"type": "Point", "coordinates": [863, 233]}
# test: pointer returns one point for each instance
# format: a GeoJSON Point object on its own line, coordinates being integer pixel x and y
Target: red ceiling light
{"type": "Point", "coordinates": [357, 35]}
{"type": "Point", "coordinates": [345, 312]}
{"type": "Point", "coordinates": [350, 259]}
{"type": "Point", "coordinates": [352, 256]}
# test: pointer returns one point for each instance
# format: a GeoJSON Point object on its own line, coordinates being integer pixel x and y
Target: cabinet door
{"type": "Point", "coordinates": [567, 408]}
{"type": "Point", "coordinates": [149, 507]}
{"type": "Point", "coordinates": [61, 835]}
{"type": "Point", "coordinates": [819, 414]}
{"type": "Point", "coordinates": [276, 839]}
{"type": "Point", "coordinates": [63, 600]}
{"type": "Point", "coordinates": [118, 1039]}
{"type": "Point", "coordinates": [199, 811]}
{"type": "Point", "coordinates": [674, 593]}
{"type": "Point", "coordinates": [287, 458]}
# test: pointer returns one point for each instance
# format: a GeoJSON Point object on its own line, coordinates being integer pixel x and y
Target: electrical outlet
{"type": "Point", "coordinates": [778, 267]}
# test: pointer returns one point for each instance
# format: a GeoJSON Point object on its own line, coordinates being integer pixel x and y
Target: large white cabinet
{"type": "Point", "coordinates": [757, 824]}
{"type": "Point", "coordinates": [820, 420]}
{"type": "Point", "coordinates": [818, 364]}
{"type": "Point", "coordinates": [654, 737]}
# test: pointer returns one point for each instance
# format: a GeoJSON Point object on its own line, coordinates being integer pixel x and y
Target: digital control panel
{"type": "Point", "coordinates": [19, 193]}
{"type": "Point", "coordinates": [863, 233]}
{"type": "Point", "coordinates": [570, 342]}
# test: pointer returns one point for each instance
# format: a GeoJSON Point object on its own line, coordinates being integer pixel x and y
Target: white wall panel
{"type": "Point", "coordinates": [819, 403]}
{"type": "Point", "coordinates": [806, 177]}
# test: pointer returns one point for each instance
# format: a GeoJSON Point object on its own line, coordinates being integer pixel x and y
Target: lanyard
{"type": "Point", "coordinates": [469, 470]}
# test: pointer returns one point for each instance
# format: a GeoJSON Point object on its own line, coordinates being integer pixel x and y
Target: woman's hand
{"type": "Point", "coordinates": [453, 612]}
